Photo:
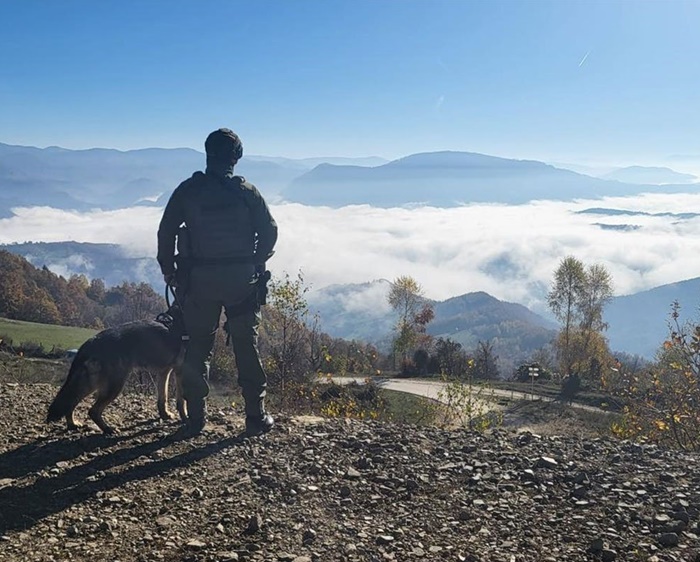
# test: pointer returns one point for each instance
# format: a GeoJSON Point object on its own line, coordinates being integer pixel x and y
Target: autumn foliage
{"type": "Point", "coordinates": [38, 295]}
{"type": "Point", "coordinates": [662, 403]}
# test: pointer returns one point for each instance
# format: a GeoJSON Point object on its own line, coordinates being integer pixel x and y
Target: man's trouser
{"type": "Point", "coordinates": [210, 289]}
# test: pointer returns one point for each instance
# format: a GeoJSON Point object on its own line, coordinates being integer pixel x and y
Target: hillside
{"type": "Point", "coordinates": [451, 178]}
{"type": "Point", "coordinates": [514, 330]}
{"type": "Point", "coordinates": [639, 322]}
{"type": "Point", "coordinates": [36, 294]}
{"type": "Point", "coordinates": [109, 262]}
{"type": "Point", "coordinates": [349, 311]}
{"type": "Point", "coordinates": [46, 335]}
{"type": "Point", "coordinates": [361, 311]}
{"type": "Point", "coordinates": [332, 490]}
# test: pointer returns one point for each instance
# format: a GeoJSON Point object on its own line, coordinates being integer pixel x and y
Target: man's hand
{"type": "Point", "coordinates": [170, 279]}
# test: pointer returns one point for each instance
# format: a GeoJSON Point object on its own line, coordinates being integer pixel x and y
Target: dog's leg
{"type": "Point", "coordinates": [179, 398]}
{"type": "Point", "coordinates": [105, 396]}
{"type": "Point", "coordinates": [162, 390]}
{"type": "Point", "coordinates": [71, 424]}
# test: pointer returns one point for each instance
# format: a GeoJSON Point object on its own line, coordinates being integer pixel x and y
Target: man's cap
{"type": "Point", "coordinates": [224, 142]}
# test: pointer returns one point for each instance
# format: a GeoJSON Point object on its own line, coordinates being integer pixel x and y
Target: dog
{"type": "Point", "coordinates": [104, 362]}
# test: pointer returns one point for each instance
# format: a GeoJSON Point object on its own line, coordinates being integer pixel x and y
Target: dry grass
{"type": "Point", "coordinates": [555, 418]}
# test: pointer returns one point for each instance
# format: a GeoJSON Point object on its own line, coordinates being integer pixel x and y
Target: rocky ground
{"type": "Point", "coordinates": [324, 490]}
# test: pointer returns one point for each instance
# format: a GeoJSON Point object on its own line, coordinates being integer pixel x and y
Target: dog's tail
{"type": "Point", "coordinates": [69, 396]}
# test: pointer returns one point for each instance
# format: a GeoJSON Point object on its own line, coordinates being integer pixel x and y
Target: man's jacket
{"type": "Point", "coordinates": [227, 221]}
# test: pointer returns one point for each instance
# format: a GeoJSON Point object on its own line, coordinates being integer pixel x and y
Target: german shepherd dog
{"type": "Point", "coordinates": [104, 362]}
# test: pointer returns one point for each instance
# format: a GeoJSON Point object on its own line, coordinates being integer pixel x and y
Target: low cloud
{"type": "Point", "coordinates": [509, 251]}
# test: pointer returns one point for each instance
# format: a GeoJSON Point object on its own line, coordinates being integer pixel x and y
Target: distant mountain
{"type": "Point", "coordinates": [626, 213]}
{"type": "Point", "coordinates": [448, 179]}
{"type": "Point", "coordinates": [309, 163]}
{"type": "Point", "coordinates": [106, 178]}
{"type": "Point", "coordinates": [91, 178]}
{"type": "Point", "coordinates": [361, 311]}
{"type": "Point", "coordinates": [597, 171]}
{"type": "Point", "coordinates": [638, 323]}
{"type": "Point", "coordinates": [649, 175]}
{"type": "Point", "coordinates": [109, 179]}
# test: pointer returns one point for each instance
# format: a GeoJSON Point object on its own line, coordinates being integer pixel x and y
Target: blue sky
{"type": "Point", "coordinates": [586, 82]}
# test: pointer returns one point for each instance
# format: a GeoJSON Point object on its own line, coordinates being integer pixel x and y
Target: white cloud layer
{"type": "Point", "coordinates": [508, 251]}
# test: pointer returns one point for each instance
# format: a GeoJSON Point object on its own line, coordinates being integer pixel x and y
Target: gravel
{"type": "Point", "coordinates": [322, 490]}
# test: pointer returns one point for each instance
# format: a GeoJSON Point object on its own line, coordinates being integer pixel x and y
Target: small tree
{"type": "Point", "coordinates": [415, 313]}
{"type": "Point", "coordinates": [286, 341]}
{"type": "Point", "coordinates": [485, 362]}
{"type": "Point", "coordinates": [451, 358]}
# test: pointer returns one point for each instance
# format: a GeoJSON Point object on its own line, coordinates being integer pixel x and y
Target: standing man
{"type": "Point", "coordinates": [227, 236]}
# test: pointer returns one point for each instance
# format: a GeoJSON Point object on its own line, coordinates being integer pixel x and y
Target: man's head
{"type": "Point", "coordinates": [224, 143]}
{"type": "Point", "coordinates": [224, 149]}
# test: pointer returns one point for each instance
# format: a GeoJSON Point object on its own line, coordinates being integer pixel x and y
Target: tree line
{"type": "Point", "coordinates": [39, 295]}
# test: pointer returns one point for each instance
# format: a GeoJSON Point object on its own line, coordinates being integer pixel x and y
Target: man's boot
{"type": "Point", "coordinates": [197, 417]}
{"type": "Point", "coordinates": [257, 425]}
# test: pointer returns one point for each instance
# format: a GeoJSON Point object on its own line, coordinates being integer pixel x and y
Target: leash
{"type": "Point", "coordinates": [173, 316]}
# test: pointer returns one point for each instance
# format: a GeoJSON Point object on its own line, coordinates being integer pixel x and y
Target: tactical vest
{"type": "Point", "coordinates": [218, 220]}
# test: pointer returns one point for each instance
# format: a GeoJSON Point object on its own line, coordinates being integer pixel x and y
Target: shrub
{"type": "Point", "coordinates": [662, 404]}
{"type": "Point", "coordinates": [467, 405]}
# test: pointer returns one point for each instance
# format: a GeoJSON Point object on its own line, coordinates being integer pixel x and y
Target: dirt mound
{"type": "Point", "coordinates": [331, 490]}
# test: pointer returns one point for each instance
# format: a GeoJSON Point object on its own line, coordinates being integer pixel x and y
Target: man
{"type": "Point", "coordinates": [228, 235]}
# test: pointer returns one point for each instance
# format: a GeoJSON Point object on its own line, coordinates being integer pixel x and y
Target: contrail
{"type": "Point", "coordinates": [584, 59]}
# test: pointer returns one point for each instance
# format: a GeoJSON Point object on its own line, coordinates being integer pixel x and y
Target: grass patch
{"type": "Point", "coordinates": [46, 335]}
{"type": "Point", "coordinates": [553, 390]}
{"type": "Point", "coordinates": [402, 407]}
{"type": "Point", "coordinates": [554, 418]}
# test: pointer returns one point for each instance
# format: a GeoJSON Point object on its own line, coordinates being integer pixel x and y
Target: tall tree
{"type": "Point", "coordinates": [578, 298]}
{"type": "Point", "coordinates": [563, 299]}
{"type": "Point", "coordinates": [415, 313]}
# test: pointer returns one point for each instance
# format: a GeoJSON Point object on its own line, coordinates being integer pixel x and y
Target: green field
{"type": "Point", "coordinates": [64, 337]}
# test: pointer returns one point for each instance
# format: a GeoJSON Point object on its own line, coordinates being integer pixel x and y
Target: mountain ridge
{"type": "Point", "coordinates": [111, 178]}
{"type": "Point", "coordinates": [449, 178]}
{"type": "Point", "coordinates": [659, 175]}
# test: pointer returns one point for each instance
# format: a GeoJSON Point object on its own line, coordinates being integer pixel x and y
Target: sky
{"type": "Point", "coordinates": [590, 83]}
{"type": "Point", "coordinates": [587, 82]}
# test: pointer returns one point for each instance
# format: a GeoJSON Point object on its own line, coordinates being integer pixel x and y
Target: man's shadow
{"type": "Point", "coordinates": [22, 507]}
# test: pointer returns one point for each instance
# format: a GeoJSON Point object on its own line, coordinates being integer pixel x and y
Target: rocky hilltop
{"type": "Point", "coordinates": [325, 490]}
